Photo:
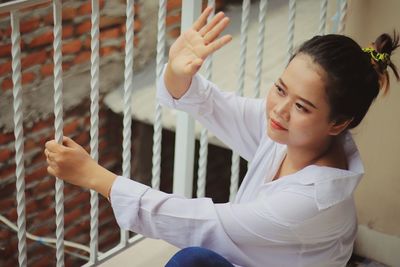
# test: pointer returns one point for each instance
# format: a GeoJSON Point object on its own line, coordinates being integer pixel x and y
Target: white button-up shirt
{"type": "Point", "coordinates": [304, 219]}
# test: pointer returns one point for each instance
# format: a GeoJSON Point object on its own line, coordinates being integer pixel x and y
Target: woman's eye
{"type": "Point", "coordinates": [279, 89]}
{"type": "Point", "coordinates": [301, 108]}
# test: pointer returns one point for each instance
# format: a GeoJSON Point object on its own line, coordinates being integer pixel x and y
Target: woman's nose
{"type": "Point", "coordinates": [282, 110]}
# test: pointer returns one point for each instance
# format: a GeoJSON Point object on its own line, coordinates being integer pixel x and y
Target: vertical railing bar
{"type": "Point", "coordinates": [342, 16]}
{"type": "Point", "coordinates": [58, 125]}
{"type": "Point", "coordinates": [322, 17]}
{"type": "Point", "coordinates": [260, 45]}
{"type": "Point", "coordinates": [128, 88]}
{"type": "Point", "coordinates": [184, 138]}
{"type": "Point", "coordinates": [157, 135]}
{"type": "Point", "coordinates": [235, 167]}
{"type": "Point", "coordinates": [19, 137]}
{"type": "Point", "coordinates": [203, 150]}
{"type": "Point", "coordinates": [292, 15]}
{"type": "Point", "coordinates": [94, 126]}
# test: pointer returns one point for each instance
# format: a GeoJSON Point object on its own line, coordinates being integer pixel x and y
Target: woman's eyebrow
{"type": "Point", "coordinates": [302, 99]}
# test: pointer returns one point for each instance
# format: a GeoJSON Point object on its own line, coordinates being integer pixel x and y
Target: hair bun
{"type": "Point", "coordinates": [380, 54]}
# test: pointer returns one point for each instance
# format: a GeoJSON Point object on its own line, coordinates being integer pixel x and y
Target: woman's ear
{"type": "Point", "coordinates": [339, 126]}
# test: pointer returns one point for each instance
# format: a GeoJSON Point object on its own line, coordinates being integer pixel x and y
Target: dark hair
{"type": "Point", "coordinates": [353, 79]}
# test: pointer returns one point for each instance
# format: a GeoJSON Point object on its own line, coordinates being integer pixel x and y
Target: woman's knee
{"type": "Point", "coordinates": [196, 257]}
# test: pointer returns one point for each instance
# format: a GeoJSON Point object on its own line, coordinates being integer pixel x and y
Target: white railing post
{"type": "Point", "coordinates": [19, 137]}
{"type": "Point", "coordinates": [58, 125]}
{"type": "Point", "coordinates": [184, 138]}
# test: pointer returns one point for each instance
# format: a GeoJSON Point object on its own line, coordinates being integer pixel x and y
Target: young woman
{"type": "Point", "coordinates": [295, 205]}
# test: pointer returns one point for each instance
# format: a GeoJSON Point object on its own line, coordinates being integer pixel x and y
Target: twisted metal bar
{"type": "Point", "coordinates": [260, 45]}
{"type": "Point", "coordinates": [292, 14]}
{"type": "Point", "coordinates": [343, 15]}
{"type": "Point", "coordinates": [19, 136]}
{"type": "Point", "coordinates": [128, 88]}
{"type": "Point", "coordinates": [242, 65]}
{"type": "Point", "coordinates": [94, 127]}
{"type": "Point", "coordinates": [203, 150]}
{"type": "Point", "coordinates": [58, 125]}
{"type": "Point", "coordinates": [157, 135]}
{"type": "Point", "coordinates": [322, 17]}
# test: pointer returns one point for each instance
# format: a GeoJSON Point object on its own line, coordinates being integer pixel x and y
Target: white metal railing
{"type": "Point", "coordinates": [184, 148]}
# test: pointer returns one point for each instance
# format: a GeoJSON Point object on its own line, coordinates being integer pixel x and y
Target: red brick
{"type": "Point", "coordinates": [69, 13]}
{"type": "Point", "coordinates": [175, 33]}
{"type": "Point", "coordinates": [48, 19]}
{"type": "Point", "coordinates": [110, 34]}
{"type": "Point", "coordinates": [45, 185]}
{"type": "Point", "coordinates": [45, 230]}
{"type": "Point", "coordinates": [43, 39]}
{"type": "Point", "coordinates": [6, 84]}
{"type": "Point", "coordinates": [46, 213]}
{"type": "Point", "coordinates": [29, 25]}
{"type": "Point", "coordinates": [6, 154]}
{"type": "Point", "coordinates": [34, 58]}
{"type": "Point", "coordinates": [82, 138]}
{"type": "Point", "coordinates": [29, 144]}
{"type": "Point", "coordinates": [72, 47]}
{"type": "Point", "coordinates": [87, 43]}
{"type": "Point", "coordinates": [174, 4]}
{"type": "Point", "coordinates": [42, 124]}
{"type": "Point", "coordinates": [5, 138]}
{"type": "Point", "coordinates": [173, 20]}
{"type": "Point", "coordinates": [5, 68]}
{"type": "Point", "coordinates": [71, 127]}
{"type": "Point", "coordinates": [12, 215]}
{"type": "Point", "coordinates": [72, 216]}
{"type": "Point", "coordinates": [74, 231]}
{"type": "Point", "coordinates": [84, 27]}
{"type": "Point", "coordinates": [36, 175]}
{"type": "Point", "coordinates": [31, 207]}
{"type": "Point", "coordinates": [67, 31]}
{"type": "Point", "coordinates": [47, 70]}
{"type": "Point", "coordinates": [28, 77]}
{"type": "Point", "coordinates": [82, 197]}
{"type": "Point", "coordinates": [82, 57]}
{"type": "Point", "coordinates": [7, 171]}
{"type": "Point", "coordinates": [5, 50]}
{"type": "Point", "coordinates": [105, 51]}
{"type": "Point", "coordinates": [6, 204]}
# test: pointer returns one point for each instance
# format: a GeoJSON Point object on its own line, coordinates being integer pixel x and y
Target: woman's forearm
{"type": "Point", "coordinates": [176, 85]}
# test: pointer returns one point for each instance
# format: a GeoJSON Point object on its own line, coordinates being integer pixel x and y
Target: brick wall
{"type": "Point", "coordinates": [37, 83]}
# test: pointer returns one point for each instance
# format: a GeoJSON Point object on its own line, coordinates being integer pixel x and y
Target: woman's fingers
{"type": "Point", "coordinates": [202, 20]}
{"type": "Point", "coordinates": [216, 30]}
{"type": "Point", "coordinates": [217, 44]}
{"type": "Point", "coordinates": [214, 21]}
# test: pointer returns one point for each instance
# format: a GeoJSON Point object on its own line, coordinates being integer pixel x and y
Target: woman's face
{"type": "Point", "coordinates": [297, 107]}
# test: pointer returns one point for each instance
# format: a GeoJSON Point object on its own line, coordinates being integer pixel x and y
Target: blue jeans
{"type": "Point", "coordinates": [197, 257]}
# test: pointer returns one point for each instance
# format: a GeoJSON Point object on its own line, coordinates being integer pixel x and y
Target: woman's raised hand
{"type": "Point", "coordinates": [189, 51]}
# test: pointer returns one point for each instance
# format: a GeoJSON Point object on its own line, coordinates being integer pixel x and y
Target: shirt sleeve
{"type": "Point", "coordinates": [235, 231]}
{"type": "Point", "coordinates": [237, 121]}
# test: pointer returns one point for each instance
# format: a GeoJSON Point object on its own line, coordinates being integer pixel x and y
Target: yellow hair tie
{"type": "Point", "coordinates": [376, 56]}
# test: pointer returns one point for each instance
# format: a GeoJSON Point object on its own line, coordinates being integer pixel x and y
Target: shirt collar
{"type": "Point", "coordinates": [333, 185]}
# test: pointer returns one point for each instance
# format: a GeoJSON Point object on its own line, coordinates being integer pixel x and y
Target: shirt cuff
{"type": "Point", "coordinates": [195, 99]}
{"type": "Point", "coordinates": [125, 201]}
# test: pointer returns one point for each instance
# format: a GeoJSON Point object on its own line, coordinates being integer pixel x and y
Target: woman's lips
{"type": "Point", "coordinates": [277, 126]}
